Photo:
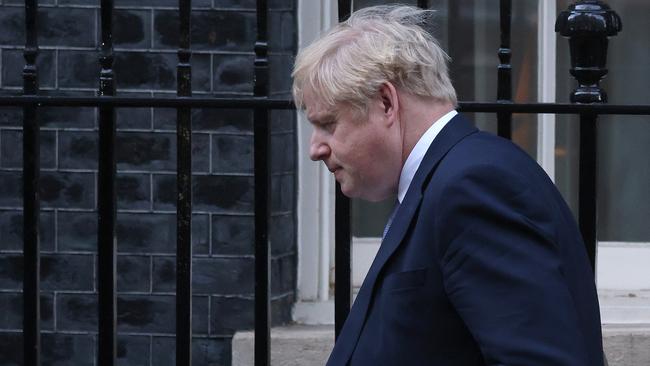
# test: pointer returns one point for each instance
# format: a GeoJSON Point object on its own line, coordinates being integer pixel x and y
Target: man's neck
{"type": "Point", "coordinates": [418, 114]}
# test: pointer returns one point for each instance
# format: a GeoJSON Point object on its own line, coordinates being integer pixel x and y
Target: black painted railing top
{"type": "Point", "coordinates": [588, 24]}
{"type": "Point", "coordinates": [284, 104]}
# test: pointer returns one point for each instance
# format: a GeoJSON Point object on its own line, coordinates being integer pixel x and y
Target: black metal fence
{"type": "Point", "coordinates": [587, 24]}
{"type": "Point", "coordinates": [107, 102]}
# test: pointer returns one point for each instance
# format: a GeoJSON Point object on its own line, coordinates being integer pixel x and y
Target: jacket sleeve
{"type": "Point", "coordinates": [503, 270]}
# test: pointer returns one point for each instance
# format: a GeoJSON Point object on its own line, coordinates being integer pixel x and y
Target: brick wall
{"type": "Point", "coordinates": [146, 33]}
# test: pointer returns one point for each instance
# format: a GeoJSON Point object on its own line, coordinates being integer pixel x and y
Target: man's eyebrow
{"type": "Point", "coordinates": [322, 119]}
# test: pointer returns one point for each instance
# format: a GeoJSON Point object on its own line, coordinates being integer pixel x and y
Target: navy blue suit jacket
{"type": "Point", "coordinates": [483, 265]}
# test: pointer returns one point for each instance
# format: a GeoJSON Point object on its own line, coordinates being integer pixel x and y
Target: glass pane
{"type": "Point", "coordinates": [567, 153]}
{"type": "Point", "coordinates": [624, 178]}
{"type": "Point", "coordinates": [623, 168]}
{"type": "Point", "coordinates": [469, 31]}
{"type": "Point", "coordinates": [369, 218]}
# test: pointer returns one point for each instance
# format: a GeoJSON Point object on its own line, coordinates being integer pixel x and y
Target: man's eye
{"type": "Point", "coordinates": [328, 126]}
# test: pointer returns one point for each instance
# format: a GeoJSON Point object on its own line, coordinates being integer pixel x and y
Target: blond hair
{"type": "Point", "coordinates": [379, 44]}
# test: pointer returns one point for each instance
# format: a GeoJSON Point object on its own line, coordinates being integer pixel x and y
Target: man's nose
{"type": "Point", "coordinates": [318, 149]}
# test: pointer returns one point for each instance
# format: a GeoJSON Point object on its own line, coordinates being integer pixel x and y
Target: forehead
{"type": "Point", "coordinates": [315, 108]}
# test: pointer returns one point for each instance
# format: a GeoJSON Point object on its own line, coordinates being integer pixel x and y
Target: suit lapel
{"type": "Point", "coordinates": [455, 130]}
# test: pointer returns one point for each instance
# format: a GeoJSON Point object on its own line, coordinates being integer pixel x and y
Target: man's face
{"type": "Point", "coordinates": [363, 152]}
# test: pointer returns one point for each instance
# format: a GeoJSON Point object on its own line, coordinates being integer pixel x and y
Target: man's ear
{"type": "Point", "coordinates": [390, 101]}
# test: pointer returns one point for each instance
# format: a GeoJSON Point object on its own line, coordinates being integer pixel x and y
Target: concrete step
{"type": "Point", "coordinates": [624, 306]}
{"type": "Point", "coordinates": [295, 345]}
{"type": "Point", "coordinates": [310, 345]}
{"type": "Point", "coordinates": [625, 315]}
{"type": "Point", "coordinates": [627, 344]}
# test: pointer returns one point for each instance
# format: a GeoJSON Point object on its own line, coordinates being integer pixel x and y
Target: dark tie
{"type": "Point", "coordinates": [390, 219]}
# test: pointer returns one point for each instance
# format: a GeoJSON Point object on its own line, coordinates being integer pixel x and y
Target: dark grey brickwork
{"type": "Point", "coordinates": [146, 32]}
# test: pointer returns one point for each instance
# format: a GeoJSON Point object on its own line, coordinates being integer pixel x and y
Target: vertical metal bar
{"type": "Point", "coordinates": [262, 196]}
{"type": "Point", "coordinates": [342, 261]}
{"type": "Point", "coordinates": [106, 199]}
{"type": "Point", "coordinates": [31, 204]}
{"type": "Point", "coordinates": [461, 15]}
{"type": "Point", "coordinates": [588, 25]}
{"type": "Point", "coordinates": [184, 195]}
{"type": "Point", "coordinates": [587, 199]}
{"type": "Point", "coordinates": [342, 238]}
{"type": "Point", "coordinates": [504, 86]}
{"type": "Point", "coordinates": [345, 9]}
{"type": "Point", "coordinates": [423, 4]}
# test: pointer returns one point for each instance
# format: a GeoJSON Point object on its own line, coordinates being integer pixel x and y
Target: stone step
{"type": "Point", "coordinates": [310, 345]}
{"type": "Point", "coordinates": [295, 345]}
{"type": "Point", "coordinates": [624, 306]}
{"type": "Point", "coordinates": [625, 315]}
{"type": "Point", "coordinates": [627, 344]}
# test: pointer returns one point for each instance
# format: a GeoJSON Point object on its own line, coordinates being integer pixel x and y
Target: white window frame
{"type": "Point", "coordinates": [315, 232]}
{"type": "Point", "coordinates": [620, 266]}
{"type": "Point", "coordinates": [546, 61]}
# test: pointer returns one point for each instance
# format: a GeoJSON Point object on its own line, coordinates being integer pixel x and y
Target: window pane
{"type": "Point", "coordinates": [469, 31]}
{"type": "Point", "coordinates": [369, 218]}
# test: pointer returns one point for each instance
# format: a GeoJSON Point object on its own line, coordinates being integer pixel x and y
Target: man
{"type": "Point", "coordinates": [482, 262]}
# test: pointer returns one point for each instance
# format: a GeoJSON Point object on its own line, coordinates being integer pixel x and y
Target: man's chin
{"type": "Point", "coordinates": [347, 192]}
{"type": "Point", "coordinates": [350, 192]}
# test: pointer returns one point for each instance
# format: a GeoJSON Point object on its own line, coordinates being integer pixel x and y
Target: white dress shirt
{"type": "Point", "coordinates": [417, 154]}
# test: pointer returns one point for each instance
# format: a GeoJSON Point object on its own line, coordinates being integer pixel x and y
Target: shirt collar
{"type": "Point", "coordinates": [417, 154]}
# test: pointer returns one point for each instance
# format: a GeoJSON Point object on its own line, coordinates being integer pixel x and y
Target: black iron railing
{"type": "Point", "coordinates": [31, 202]}
{"type": "Point", "coordinates": [106, 200]}
{"type": "Point", "coordinates": [587, 28]}
{"type": "Point", "coordinates": [504, 76]}
{"type": "Point", "coordinates": [184, 193]}
{"type": "Point", "coordinates": [342, 236]}
{"type": "Point", "coordinates": [261, 143]}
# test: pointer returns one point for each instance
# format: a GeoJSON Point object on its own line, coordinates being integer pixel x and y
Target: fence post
{"type": "Point", "coordinates": [106, 200]}
{"type": "Point", "coordinates": [342, 235]}
{"type": "Point", "coordinates": [31, 203]}
{"type": "Point", "coordinates": [588, 24]}
{"type": "Point", "coordinates": [262, 165]}
{"type": "Point", "coordinates": [184, 192]}
{"type": "Point", "coordinates": [504, 85]}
